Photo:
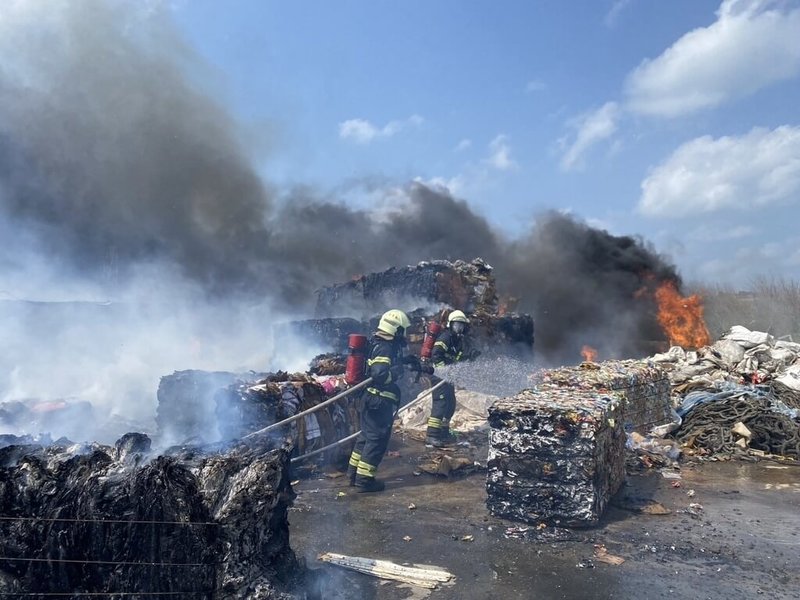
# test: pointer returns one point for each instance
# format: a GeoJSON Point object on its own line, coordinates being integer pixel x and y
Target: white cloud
{"type": "Point", "coordinates": [752, 44]}
{"type": "Point", "coordinates": [707, 175]}
{"type": "Point", "coordinates": [611, 16]}
{"type": "Point", "coordinates": [720, 233]}
{"type": "Point", "coordinates": [463, 145]}
{"type": "Point", "coordinates": [500, 154]}
{"type": "Point", "coordinates": [590, 128]}
{"type": "Point", "coordinates": [535, 85]}
{"type": "Point", "coordinates": [362, 131]}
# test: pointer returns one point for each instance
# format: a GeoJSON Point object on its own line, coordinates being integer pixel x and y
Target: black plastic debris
{"type": "Point", "coordinates": [99, 519]}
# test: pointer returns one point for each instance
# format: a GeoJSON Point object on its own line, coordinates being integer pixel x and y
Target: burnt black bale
{"type": "Point", "coordinates": [329, 333]}
{"type": "Point", "coordinates": [186, 404]}
{"type": "Point", "coordinates": [196, 525]}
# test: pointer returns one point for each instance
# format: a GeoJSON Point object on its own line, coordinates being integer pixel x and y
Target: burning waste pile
{"type": "Point", "coordinates": [92, 519]}
{"type": "Point", "coordinates": [198, 405]}
{"type": "Point", "coordinates": [425, 291]}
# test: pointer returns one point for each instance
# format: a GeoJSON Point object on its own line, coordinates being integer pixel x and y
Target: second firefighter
{"type": "Point", "coordinates": [450, 347]}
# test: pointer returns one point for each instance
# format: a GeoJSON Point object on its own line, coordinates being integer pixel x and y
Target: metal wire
{"type": "Point", "coordinates": [105, 562]}
{"type": "Point", "coordinates": [79, 594]}
{"type": "Point", "coordinates": [126, 521]}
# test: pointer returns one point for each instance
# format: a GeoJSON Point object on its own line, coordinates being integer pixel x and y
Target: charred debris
{"type": "Point", "coordinates": [207, 518]}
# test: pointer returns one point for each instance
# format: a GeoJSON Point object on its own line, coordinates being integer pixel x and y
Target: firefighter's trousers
{"type": "Point", "coordinates": [443, 405]}
{"type": "Point", "coordinates": [377, 415]}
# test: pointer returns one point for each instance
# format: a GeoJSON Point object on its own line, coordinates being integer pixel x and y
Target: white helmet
{"type": "Point", "coordinates": [393, 320]}
{"type": "Point", "coordinates": [457, 316]}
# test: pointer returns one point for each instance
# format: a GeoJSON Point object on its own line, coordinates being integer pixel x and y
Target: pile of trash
{"type": "Point", "coordinates": [739, 396]}
{"type": "Point", "coordinates": [243, 408]}
{"type": "Point", "coordinates": [740, 356]}
{"type": "Point", "coordinates": [469, 286]}
{"type": "Point", "coordinates": [120, 521]}
{"type": "Point", "coordinates": [738, 419]}
{"type": "Point", "coordinates": [205, 407]}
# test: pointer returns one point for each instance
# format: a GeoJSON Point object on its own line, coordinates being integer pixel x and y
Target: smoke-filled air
{"type": "Point", "coordinates": [139, 236]}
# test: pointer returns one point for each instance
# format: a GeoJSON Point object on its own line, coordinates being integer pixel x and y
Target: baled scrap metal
{"type": "Point", "coordinates": [556, 454]}
{"type": "Point", "coordinates": [643, 386]}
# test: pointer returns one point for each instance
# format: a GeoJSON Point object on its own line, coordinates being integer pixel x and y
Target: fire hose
{"type": "Point", "coordinates": [299, 415]}
{"type": "Point", "coordinates": [353, 436]}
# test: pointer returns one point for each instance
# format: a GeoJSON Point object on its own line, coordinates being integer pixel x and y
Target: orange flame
{"type": "Point", "coordinates": [681, 318]}
{"type": "Point", "coordinates": [589, 354]}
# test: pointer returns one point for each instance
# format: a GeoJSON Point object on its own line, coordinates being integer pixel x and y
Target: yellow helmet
{"type": "Point", "coordinates": [457, 316]}
{"type": "Point", "coordinates": [393, 320]}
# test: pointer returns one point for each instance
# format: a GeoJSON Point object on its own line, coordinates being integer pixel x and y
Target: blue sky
{"type": "Point", "coordinates": [674, 120]}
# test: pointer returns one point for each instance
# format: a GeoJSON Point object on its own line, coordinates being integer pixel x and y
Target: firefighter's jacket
{"type": "Point", "coordinates": [385, 367]}
{"type": "Point", "coordinates": [448, 349]}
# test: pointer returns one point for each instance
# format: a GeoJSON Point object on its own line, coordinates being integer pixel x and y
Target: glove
{"type": "Point", "coordinates": [427, 368]}
{"type": "Point", "coordinates": [412, 362]}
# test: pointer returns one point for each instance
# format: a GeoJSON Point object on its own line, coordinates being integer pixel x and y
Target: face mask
{"type": "Point", "coordinates": [458, 327]}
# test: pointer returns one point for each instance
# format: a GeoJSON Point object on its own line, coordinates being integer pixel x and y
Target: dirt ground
{"type": "Point", "coordinates": [743, 542]}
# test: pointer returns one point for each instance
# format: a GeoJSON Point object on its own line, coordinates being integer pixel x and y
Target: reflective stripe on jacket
{"type": "Point", "coordinates": [447, 349]}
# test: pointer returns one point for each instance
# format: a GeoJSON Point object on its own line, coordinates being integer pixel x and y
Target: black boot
{"type": "Point", "coordinates": [448, 437]}
{"type": "Point", "coordinates": [432, 437]}
{"type": "Point", "coordinates": [351, 475]}
{"type": "Point", "coordinates": [439, 438]}
{"type": "Point", "coordinates": [369, 484]}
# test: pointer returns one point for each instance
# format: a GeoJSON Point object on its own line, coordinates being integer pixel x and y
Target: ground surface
{"type": "Point", "coordinates": [743, 543]}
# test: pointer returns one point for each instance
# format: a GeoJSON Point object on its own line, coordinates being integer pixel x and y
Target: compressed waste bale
{"type": "Point", "coordinates": [186, 406]}
{"type": "Point", "coordinates": [643, 386]}
{"type": "Point", "coordinates": [330, 363]}
{"type": "Point", "coordinates": [469, 286]}
{"type": "Point", "coordinates": [426, 292]}
{"type": "Point", "coordinates": [327, 333]}
{"type": "Point", "coordinates": [106, 520]}
{"type": "Point", "coordinates": [245, 407]}
{"type": "Point", "coordinates": [556, 455]}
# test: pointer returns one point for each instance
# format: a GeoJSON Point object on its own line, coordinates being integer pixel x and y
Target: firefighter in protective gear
{"type": "Point", "coordinates": [450, 347]}
{"type": "Point", "coordinates": [380, 401]}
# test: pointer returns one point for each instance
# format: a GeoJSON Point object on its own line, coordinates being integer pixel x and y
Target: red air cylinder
{"type": "Point", "coordinates": [431, 333]}
{"type": "Point", "coordinates": [355, 371]}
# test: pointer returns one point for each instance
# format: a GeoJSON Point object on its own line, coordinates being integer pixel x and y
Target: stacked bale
{"type": "Point", "coordinates": [644, 388]}
{"type": "Point", "coordinates": [469, 286]}
{"type": "Point", "coordinates": [426, 292]}
{"type": "Point", "coordinates": [557, 452]}
{"type": "Point", "coordinates": [186, 406]}
{"type": "Point", "coordinates": [556, 455]}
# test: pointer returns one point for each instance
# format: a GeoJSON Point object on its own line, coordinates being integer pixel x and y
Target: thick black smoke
{"type": "Point", "coordinates": [112, 154]}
